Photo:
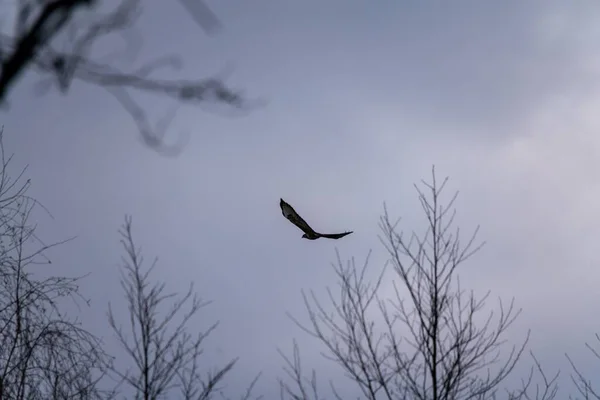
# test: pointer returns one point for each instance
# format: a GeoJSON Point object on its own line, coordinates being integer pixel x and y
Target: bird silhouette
{"type": "Point", "coordinates": [309, 233]}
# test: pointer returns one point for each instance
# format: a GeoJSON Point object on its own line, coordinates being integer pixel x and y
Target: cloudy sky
{"type": "Point", "coordinates": [362, 99]}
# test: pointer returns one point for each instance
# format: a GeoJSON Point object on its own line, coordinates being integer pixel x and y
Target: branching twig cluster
{"type": "Point", "coordinates": [427, 340]}
{"type": "Point", "coordinates": [166, 356]}
{"type": "Point", "coordinates": [44, 354]}
{"type": "Point", "coordinates": [583, 384]}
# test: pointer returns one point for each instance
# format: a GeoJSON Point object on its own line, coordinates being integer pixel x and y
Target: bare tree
{"type": "Point", "coordinates": [584, 385]}
{"type": "Point", "coordinates": [166, 356]}
{"type": "Point", "coordinates": [427, 337]}
{"type": "Point", "coordinates": [38, 35]}
{"type": "Point", "coordinates": [44, 354]}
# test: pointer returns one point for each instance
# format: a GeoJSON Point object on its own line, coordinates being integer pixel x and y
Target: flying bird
{"type": "Point", "coordinates": [309, 233]}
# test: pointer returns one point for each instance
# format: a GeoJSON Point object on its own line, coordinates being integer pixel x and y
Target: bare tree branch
{"type": "Point", "coordinates": [33, 45]}
{"type": "Point", "coordinates": [582, 384]}
{"type": "Point", "coordinates": [166, 356]}
{"type": "Point", "coordinates": [34, 35]}
{"type": "Point", "coordinates": [427, 340]}
{"type": "Point", "coordinates": [44, 354]}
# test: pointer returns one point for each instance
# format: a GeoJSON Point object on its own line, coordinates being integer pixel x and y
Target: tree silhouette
{"type": "Point", "coordinates": [430, 338]}
{"type": "Point", "coordinates": [44, 354]}
{"type": "Point", "coordinates": [583, 384]}
{"type": "Point", "coordinates": [166, 355]}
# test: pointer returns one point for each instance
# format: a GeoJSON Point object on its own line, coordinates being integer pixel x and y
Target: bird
{"type": "Point", "coordinates": [309, 233]}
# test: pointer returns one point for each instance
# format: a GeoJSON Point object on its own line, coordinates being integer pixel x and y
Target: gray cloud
{"type": "Point", "coordinates": [362, 101]}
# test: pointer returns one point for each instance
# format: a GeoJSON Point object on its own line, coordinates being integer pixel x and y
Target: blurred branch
{"type": "Point", "coordinates": [203, 15]}
{"type": "Point", "coordinates": [32, 47]}
{"type": "Point", "coordinates": [34, 35]}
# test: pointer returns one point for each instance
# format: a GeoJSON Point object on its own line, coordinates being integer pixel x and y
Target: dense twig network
{"type": "Point", "coordinates": [421, 336]}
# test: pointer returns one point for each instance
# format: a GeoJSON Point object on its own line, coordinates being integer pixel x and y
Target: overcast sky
{"type": "Point", "coordinates": [362, 98]}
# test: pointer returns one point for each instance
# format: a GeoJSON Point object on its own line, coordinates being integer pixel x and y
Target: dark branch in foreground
{"type": "Point", "coordinates": [41, 24]}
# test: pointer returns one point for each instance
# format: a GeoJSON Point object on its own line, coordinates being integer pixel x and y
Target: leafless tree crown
{"type": "Point", "coordinates": [166, 356]}
{"type": "Point", "coordinates": [47, 355]}
{"type": "Point", "coordinates": [424, 338]}
{"type": "Point", "coordinates": [44, 354]}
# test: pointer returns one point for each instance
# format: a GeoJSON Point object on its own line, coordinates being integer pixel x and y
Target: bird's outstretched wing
{"type": "Point", "coordinates": [291, 214]}
{"type": "Point", "coordinates": [334, 235]}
